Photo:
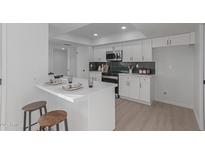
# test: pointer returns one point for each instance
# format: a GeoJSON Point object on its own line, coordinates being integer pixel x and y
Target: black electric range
{"type": "Point", "coordinates": [112, 77]}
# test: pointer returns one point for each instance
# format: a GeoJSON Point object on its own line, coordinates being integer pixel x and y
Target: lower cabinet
{"type": "Point", "coordinates": [135, 87]}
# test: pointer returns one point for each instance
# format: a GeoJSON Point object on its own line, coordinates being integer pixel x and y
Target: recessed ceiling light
{"type": "Point", "coordinates": [62, 48]}
{"type": "Point", "coordinates": [95, 34]}
{"type": "Point", "coordinates": [123, 27]}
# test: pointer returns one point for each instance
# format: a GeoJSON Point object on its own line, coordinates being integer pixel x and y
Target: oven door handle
{"type": "Point", "coordinates": [110, 77]}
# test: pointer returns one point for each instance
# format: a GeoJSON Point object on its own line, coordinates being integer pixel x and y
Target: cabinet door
{"type": "Point", "coordinates": [100, 55]}
{"type": "Point", "coordinates": [134, 87]}
{"type": "Point", "coordinates": [181, 39]}
{"type": "Point", "coordinates": [147, 50]}
{"type": "Point", "coordinates": [137, 51]}
{"type": "Point", "coordinates": [159, 42]}
{"type": "Point", "coordinates": [145, 89]}
{"type": "Point", "coordinates": [127, 53]}
{"type": "Point", "coordinates": [124, 86]}
{"type": "Point", "coordinates": [132, 52]}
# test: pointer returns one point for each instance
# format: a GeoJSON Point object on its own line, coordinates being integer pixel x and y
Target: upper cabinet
{"type": "Point", "coordinates": [99, 54]}
{"type": "Point", "coordinates": [147, 50]}
{"type": "Point", "coordinates": [181, 39]}
{"type": "Point", "coordinates": [137, 51]}
{"type": "Point", "coordinates": [132, 51]}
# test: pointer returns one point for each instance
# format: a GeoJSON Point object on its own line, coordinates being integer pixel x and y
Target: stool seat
{"type": "Point", "coordinates": [34, 106]}
{"type": "Point", "coordinates": [52, 118]}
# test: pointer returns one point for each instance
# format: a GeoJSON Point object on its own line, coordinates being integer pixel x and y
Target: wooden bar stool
{"type": "Point", "coordinates": [53, 118]}
{"type": "Point", "coordinates": [30, 108]}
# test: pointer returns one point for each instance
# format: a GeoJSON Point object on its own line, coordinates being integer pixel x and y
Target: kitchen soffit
{"type": "Point", "coordinates": [108, 30]}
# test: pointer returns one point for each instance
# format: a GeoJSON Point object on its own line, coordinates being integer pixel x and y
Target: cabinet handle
{"type": "Point", "coordinates": [167, 42]}
{"type": "Point", "coordinates": [143, 58]}
{"type": "Point", "coordinates": [170, 42]}
{"type": "Point", "coordinates": [140, 85]}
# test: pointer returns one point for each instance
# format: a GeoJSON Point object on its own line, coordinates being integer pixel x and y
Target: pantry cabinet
{"type": "Point", "coordinates": [135, 87]}
{"type": "Point", "coordinates": [181, 39]}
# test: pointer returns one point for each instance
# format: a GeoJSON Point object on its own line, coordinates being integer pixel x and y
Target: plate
{"type": "Point", "coordinates": [71, 87]}
{"type": "Point", "coordinates": [55, 82]}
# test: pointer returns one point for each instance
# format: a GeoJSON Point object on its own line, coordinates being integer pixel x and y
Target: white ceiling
{"type": "Point", "coordinates": [103, 29]}
{"type": "Point", "coordinates": [109, 32]}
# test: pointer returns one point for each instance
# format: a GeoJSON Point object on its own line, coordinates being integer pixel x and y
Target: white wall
{"type": "Point", "coordinates": [83, 62]}
{"type": "Point", "coordinates": [0, 66]}
{"type": "Point", "coordinates": [60, 60]}
{"type": "Point", "coordinates": [27, 65]}
{"type": "Point", "coordinates": [198, 75]}
{"type": "Point", "coordinates": [50, 59]}
{"type": "Point", "coordinates": [72, 60]}
{"type": "Point", "coordinates": [174, 75]}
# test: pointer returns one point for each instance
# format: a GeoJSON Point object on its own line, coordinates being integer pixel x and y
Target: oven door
{"type": "Point", "coordinates": [113, 80]}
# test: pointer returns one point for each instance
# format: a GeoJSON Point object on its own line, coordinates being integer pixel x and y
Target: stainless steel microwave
{"type": "Point", "coordinates": [114, 55]}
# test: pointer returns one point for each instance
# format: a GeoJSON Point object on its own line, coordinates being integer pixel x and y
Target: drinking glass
{"type": "Point", "coordinates": [90, 82]}
{"type": "Point", "coordinates": [70, 78]}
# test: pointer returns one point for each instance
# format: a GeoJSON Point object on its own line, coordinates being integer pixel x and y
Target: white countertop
{"type": "Point", "coordinates": [75, 95]}
{"type": "Point", "coordinates": [136, 74]}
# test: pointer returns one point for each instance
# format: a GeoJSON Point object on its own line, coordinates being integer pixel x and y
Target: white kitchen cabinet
{"type": "Point", "coordinates": [160, 42]}
{"type": "Point", "coordinates": [132, 52]}
{"type": "Point", "coordinates": [134, 90]}
{"type": "Point", "coordinates": [118, 47]}
{"type": "Point", "coordinates": [99, 54]}
{"type": "Point", "coordinates": [147, 50]}
{"type": "Point", "coordinates": [135, 87]}
{"type": "Point", "coordinates": [96, 75]}
{"type": "Point", "coordinates": [124, 85]}
{"type": "Point", "coordinates": [144, 89]}
{"type": "Point", "coordinates": [181, 39]}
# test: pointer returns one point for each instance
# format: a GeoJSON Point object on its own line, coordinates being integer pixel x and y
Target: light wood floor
{"type": "Point", "coordinates": [132, 116]}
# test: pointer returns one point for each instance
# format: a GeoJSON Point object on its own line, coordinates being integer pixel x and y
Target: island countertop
{"type": "Point", "coordinates": [75, 95]}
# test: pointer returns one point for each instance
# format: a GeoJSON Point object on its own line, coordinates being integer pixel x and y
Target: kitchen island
{"type": "Point", "coordinates": [88, 108]}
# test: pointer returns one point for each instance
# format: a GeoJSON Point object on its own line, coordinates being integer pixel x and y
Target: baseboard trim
{"type": "Point", "coordinates": [172, 103]}
{"type": "Point", "coordinates": [135, 100]}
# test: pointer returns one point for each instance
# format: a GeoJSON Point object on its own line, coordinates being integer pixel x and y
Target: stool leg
{"type": "Point", "coordinates": [29, 121]}
{"type": "Point", "coordinates": [24, 121]}
{"type": "Point", "coordinates": [49, 128]}
{"type": "Point", "coordinates": [45, 109]}
{"type": "Point", "coordinates": [42, 128]}
{"type": "Point", "coordinates": [57, 127]}
{"type": "Point", "coordinates": [41, 112]}
{"type": "Point", "coordinates": [66, 124]}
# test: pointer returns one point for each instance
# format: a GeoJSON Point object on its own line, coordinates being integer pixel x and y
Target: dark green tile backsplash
{"type": "Point", "coordinates": [117, 67]}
